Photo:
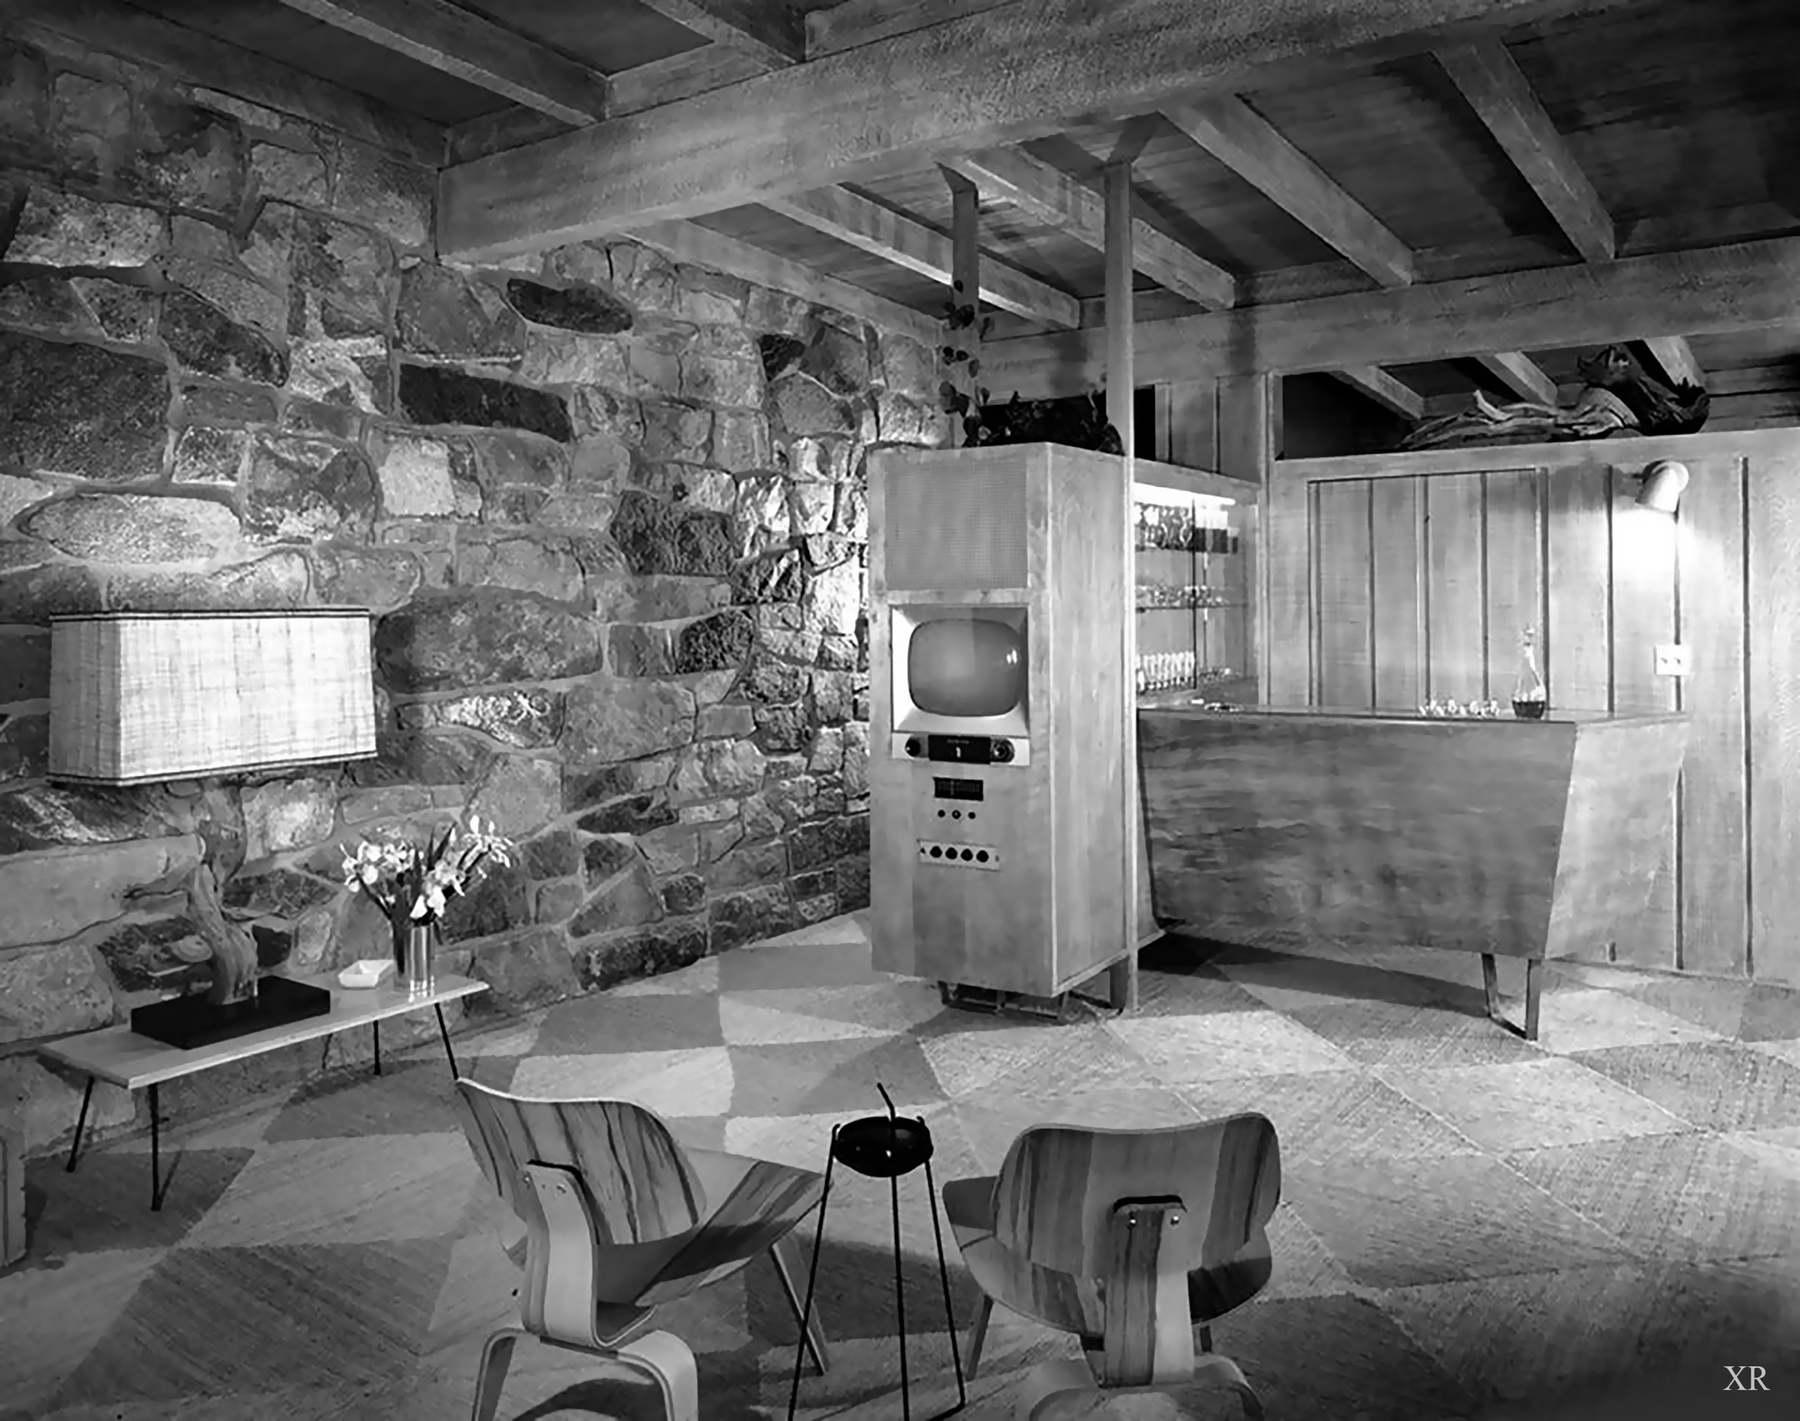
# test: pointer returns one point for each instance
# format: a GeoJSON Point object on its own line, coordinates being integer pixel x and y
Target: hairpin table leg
{"type": "Point", "coordinates": [444, 1031]}
{"type": "Point", "coordinates": [375, 1031]}
{"type": "Point", "coordinates": [80, 1124]}
{"type": "Point", "coordinates": [158, 1185]}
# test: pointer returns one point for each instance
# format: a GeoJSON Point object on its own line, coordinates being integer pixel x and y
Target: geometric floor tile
{"type": "Point", "coordinates": [1467, 1219]}
{"type": "Point", "coordinates": [1532, 1104]}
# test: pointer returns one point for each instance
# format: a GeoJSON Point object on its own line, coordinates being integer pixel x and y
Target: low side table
{"type": "Point", "coordinates": [119, 1055]}
{"type": "Point", "coordinates": [885, 1147]}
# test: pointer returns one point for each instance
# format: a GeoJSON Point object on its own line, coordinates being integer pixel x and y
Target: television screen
{"type": "Point", "coordinates": [966, 666]}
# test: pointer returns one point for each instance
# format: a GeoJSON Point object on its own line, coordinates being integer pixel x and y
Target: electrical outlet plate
{"type": "Point", "coordinates": [1671, 659]}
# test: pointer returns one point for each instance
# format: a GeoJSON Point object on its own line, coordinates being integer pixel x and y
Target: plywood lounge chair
{"type": "Point", "coordinates": [1131, 1239]}
{"type": "Point", "coordinates": [619, 1219]}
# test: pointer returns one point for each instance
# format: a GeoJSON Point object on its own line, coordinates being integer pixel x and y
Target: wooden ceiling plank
{"type": "Point", "coordinates": [766, 28]}
{"type": "Point", "coordinates": [701, 246]}
{"type": "Point", "coordinates": [1745, 286]}
{"type": "Point", "coordinates": [205, 62]}
{"type": "Point", "coordinates": [1503, 100]}
{"type": "Point", "coordinates": [854, 23]}
{"type": "Point", "coordinates": [1519, 374]}
{"type": "Point", "coordinates": [882, 232]}
{"type": "Point", "coordinates": [662, 81]}
{"type": "Point", "coordinates": [902, 103]}
{"type": "Point", "coordinates": [1676, 357]}
{"type": "Point", "coordinates": [1052, 196]}
{"type": "Point", "coordinates": [1248, 144]}
{"type": "Point", "coordinates": [472, 48]}
{"type": "Point", "coordinates": [1384, 389]}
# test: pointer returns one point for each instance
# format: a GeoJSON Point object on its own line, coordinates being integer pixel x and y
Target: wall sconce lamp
{"type": "Point", "coordinates": [147, 697]}
{"type": "Point", "coordinates": [1663, 482]}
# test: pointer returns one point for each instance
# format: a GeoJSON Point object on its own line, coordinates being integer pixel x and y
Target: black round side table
{"type": "Point", "coordinates": [884, 1147]}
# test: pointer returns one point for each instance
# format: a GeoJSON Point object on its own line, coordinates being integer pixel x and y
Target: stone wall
{"type": "Point", "coordinates": [609, 513]}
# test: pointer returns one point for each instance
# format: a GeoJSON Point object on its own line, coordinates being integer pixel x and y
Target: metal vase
{"type": "Point", "coordinates": [413, 944]}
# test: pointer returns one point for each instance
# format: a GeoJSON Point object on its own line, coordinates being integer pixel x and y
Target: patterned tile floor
{"type": "Point", "coordinates": [1471, 1224]}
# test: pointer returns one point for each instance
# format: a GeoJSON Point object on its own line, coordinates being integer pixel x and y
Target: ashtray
{"type": "Point", "coordinates": [882, 1146]}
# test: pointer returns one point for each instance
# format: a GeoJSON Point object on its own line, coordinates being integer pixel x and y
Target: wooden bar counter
{"type": "Point", "coordinates": [1509, 838]}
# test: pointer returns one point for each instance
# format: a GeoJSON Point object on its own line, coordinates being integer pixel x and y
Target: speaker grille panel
{"type": "Point", "coordinates": [959, 529]}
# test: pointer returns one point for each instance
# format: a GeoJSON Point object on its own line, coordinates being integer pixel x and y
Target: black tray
{"type": "Point", "coordinates": [192, 1021]}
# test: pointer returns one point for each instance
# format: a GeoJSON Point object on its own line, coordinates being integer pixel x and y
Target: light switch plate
{"type": "Point", "coordinates": [1671, 659]}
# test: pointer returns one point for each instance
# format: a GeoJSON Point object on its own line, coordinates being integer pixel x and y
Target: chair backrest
{"type": "Point", "coordinates": [639, 1185]}
{"type": "Point", "coordinates": [1056, 1193]}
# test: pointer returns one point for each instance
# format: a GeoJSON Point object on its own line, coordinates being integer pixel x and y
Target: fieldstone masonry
{"type": "Point", "coordinates": [608, 511]}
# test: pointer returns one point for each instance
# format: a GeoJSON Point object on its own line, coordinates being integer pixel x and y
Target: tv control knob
{"type": "Point", "coordinates": [915, 747]}
{"type": "Point", "coordinates": [1003, 752]}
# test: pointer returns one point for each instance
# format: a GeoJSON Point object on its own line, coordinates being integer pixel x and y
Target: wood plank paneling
{"type": "Point", "coordinates": [1456, 613]}
{"type": "Point", "coordinates": [1513, 579]}
{"type": "Point", "coordinates": [1643, 598]}
{"type": "Point", "coordinates": [1397, 537]}
{"type": "Point", "coordinates": [1577, 648]}
{"type": "Point", "coordinates": [1287, 593]}
{"type": "Point", "coordinates": [1773, 563]}
{"type": "Point", "coordinates": [1713, 843]}
{"type": "Point", "coordinates": [1343, 626]}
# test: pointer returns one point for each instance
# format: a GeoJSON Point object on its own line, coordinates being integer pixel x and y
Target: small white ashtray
{"type": "Point", "coordinates": [367, 973]}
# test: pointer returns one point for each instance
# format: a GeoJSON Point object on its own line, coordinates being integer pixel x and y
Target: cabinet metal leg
{"type": "Point", "coordinates": [1534, 988]}
{"type": "Point", "coordinates": [87, 1097]}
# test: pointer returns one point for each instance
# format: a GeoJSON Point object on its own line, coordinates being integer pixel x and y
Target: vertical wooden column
{"type": "Point", "coordinates": [1249, 434]}
{"type": "Point", "coordinates": [965, 268]}
{"type": "Point", "coordinates": [1121, 386]}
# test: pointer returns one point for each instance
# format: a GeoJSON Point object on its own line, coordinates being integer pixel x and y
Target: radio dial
{"type": "Point", "coordinates": [915, 747]}
{"type": "Point", "coordinates": [1003, 752]}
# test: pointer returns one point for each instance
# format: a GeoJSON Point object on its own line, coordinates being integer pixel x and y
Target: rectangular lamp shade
{"type": "Point", "coordinates": [143, 696]}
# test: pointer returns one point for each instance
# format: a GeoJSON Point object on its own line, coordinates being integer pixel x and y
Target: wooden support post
{"type": "Point", "coordinates": [1249, 435]}
{"type": "Point", "coordinates": [12, 1198]}
{"type": "Point", "coordinates": [1120, 276]}
{"type": "Point", "coordinates": [965, 272]}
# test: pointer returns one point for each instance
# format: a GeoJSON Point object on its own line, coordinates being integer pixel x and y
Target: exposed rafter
{"type": "Point", "coordinates": [701, 246]}
{"type": "Point", "coordinates": [898, 104]}
{"type": "Point", "coordinates": [1503, 100]}
{"type": "Point", "coordinates": [882, 232]}
{"type": "Point", "coordinates": [112, 27]}
{"type": "Point", "coordinates": [474, 49]}
{"type": "Point", "coordinates": [1055, 198]}
{"type": "Point", "coordinates": [1520, 375]}
{"type": "Point", "coordinates": [1747, 286]}
{"type": "Point", "coordinates": [1672, 353]}
{"type": "Point", "coordinates": [1244, 141]}
{"type": "Point", "coordinates": [1383, 388]}
{"type": "Point", "coordinates": [765, 28]}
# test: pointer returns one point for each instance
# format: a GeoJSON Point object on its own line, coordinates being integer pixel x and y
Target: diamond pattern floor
{"type": "Point", "coordinates": [1470, 1225]}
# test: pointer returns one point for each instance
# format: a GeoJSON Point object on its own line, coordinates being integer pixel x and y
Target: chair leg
{"type": "Point", "coordinates": [1059, 1389]}
{"type": "Point", "coordinates": [670, 1362]}
{"type": "Point", "coordinates": [786, 1255]}
{"type": "Point", "coordinates": [496, 1357]}
{"type": "Point", "coordinates": [984, 1310]}
{"type": "Point", "coordinates": [1232, 1375]}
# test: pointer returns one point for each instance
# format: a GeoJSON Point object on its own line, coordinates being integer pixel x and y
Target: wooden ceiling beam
{"type": "Point", "coordinates": [765, 28]}
{"type": "Point", "coordinates": [850, 24]}
{"type": "Point", "coordinates": [1519, 375]}
{"type": "Point", "coordinates": [1017, 71]}
{"type": "Point", "coordinates": [1745, 286]}
{"type": "Point", "coordinates": [1503, 100]}
{"type": "Point", "coordinates": [472, 48]}
{"type": "Point", "coordinates": [1244, 141]}
{"type": "Point", "coordinates": [205, 62]}
{"type": "Point", "coordinates": [701, 246]}
{"type": "Point", "coordinates": [1676, 359]}
{"type": "Point", "coordinates": [1383, 388]}
{"type": "Point", "coordinates": [1055, 198]}
{"type": "Point", "coordinates": [884, 233]}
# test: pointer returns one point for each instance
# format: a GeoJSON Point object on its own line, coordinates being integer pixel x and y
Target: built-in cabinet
{"type": "Point", "coordinates": [1393, 579]}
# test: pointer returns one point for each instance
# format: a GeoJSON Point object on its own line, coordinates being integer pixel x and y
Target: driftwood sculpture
{"type": "Point", "coordinates": [1617, 396]}
{"type": "Point", "coordinates": [233, 959]}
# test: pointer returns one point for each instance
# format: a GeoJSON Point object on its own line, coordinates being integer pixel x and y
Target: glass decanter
{"type": "Point", "coordinates": [1530, 698]}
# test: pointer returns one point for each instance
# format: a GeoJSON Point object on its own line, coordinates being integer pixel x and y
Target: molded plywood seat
{"type": "Point", "coordinates": [1128, 1238]}
{"type": "Point", "coordinates": [618, 1219]}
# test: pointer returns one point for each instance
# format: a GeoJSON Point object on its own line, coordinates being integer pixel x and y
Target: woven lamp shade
{"type": "Point", "coordinates": [142, 696]}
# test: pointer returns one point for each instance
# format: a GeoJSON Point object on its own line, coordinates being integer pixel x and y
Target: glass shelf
{"type": "Point", "coordinates": [1192, 591]}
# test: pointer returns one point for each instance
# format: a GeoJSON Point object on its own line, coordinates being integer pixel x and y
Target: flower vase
{"type": "Point", "coordinates": [414, 954]}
